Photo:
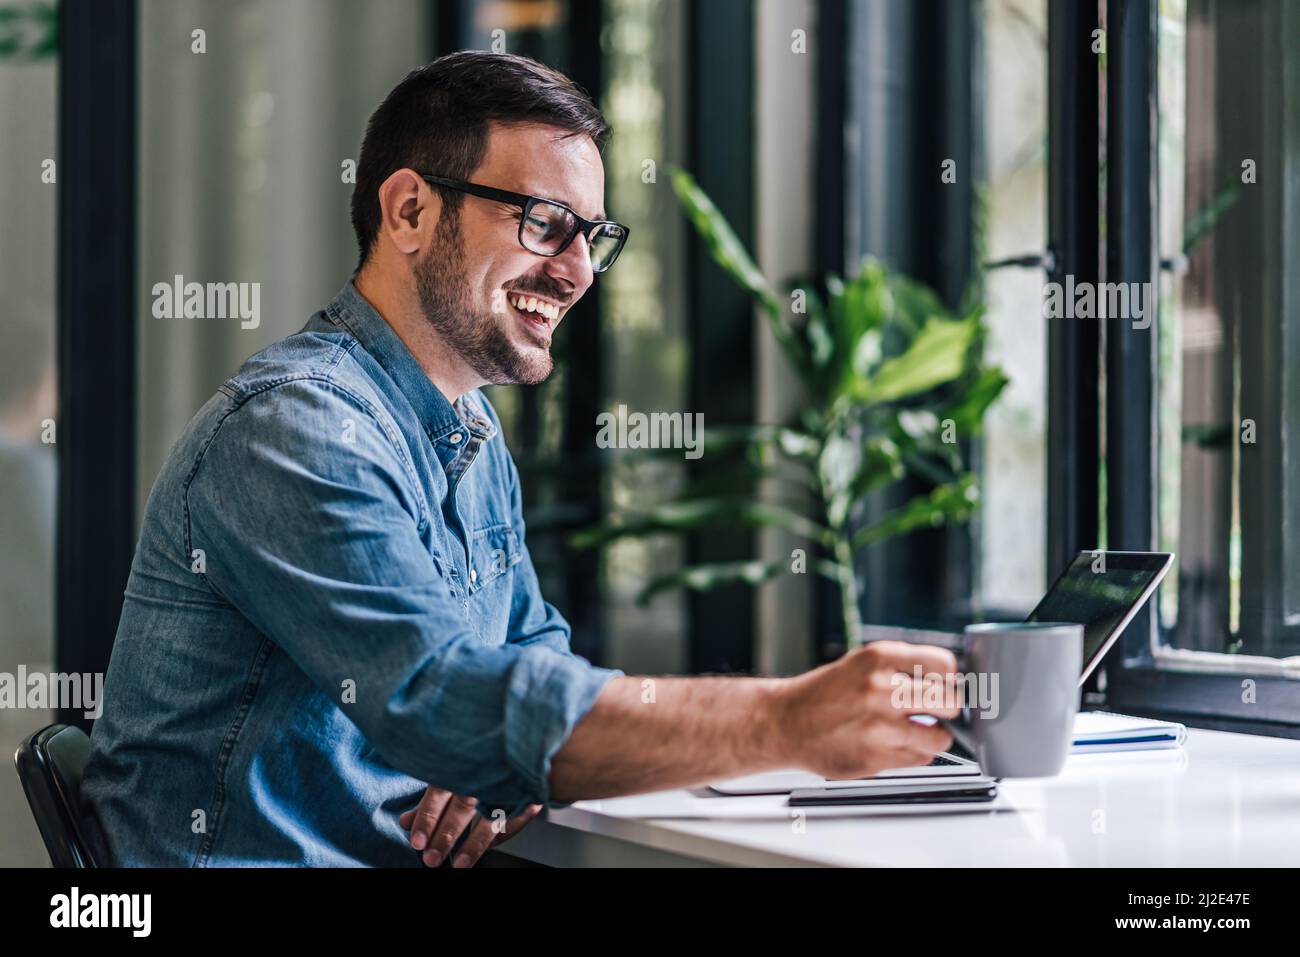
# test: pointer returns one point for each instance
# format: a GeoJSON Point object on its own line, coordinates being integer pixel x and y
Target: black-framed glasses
{"type": "Point", "coordinates": [546, 227]}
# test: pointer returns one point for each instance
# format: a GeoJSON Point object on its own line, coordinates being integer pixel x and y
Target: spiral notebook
{"type": "Point", "coordinates": [1100, 731]}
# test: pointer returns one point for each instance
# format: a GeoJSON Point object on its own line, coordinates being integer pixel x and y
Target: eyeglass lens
{"type": "Point", "coordinates": [546, 227]}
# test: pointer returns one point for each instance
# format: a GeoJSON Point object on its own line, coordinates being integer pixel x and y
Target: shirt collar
{"type": "Point", "coordinates": [353, 312]}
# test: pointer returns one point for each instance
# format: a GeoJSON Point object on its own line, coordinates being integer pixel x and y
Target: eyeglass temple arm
{"type": "Point", "coordinates": [486, 192]}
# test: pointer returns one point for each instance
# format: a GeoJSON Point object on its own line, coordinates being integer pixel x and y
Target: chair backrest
{"type": "Point", "coordinates": [50, 763]}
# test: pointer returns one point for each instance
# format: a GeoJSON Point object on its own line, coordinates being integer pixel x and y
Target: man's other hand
{"type": "Point", "coordinates": [440, 818]}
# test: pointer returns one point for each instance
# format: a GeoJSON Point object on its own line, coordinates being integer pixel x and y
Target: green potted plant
{"type": "Point", "coordinates": [893, 381]}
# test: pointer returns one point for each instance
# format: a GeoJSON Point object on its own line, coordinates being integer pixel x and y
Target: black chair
{"type": "Point", "coordinates": [50, 763]}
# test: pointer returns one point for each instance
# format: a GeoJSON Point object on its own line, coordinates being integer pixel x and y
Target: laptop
{"type": "Point", "coordinates": [1101, 590]}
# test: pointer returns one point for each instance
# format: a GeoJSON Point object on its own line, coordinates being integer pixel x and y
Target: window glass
{"type": "Point", "coordinates": [1229, 152]}
{"type": "Point", "coordinates": [28, 397]}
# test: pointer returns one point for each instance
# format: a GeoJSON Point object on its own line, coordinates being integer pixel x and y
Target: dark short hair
{"type": "Point", "coordinates": [436, 121]}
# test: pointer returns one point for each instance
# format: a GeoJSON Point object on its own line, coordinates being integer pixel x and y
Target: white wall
{"type": "Point", "coordinates": [785, 113]}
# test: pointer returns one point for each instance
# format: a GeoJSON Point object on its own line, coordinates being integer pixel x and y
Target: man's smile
{"type": "Point", "coordinates": [540, 315]}
{"type": "Point", "coordinates": [535, 304]}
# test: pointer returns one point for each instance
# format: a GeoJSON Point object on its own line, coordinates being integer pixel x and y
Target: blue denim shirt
{"type": "Point", "coordinates": [331, 604]}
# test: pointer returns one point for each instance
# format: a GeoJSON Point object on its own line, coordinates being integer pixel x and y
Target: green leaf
{"type": "Point", "coordinates": [935, 465]}
{"type": "Point", "coordinates": [701, 513]}
{"type": "Point", "coordinates": [717, 574]}
{"type": "Point", "coordinates": [866, 300]}
{"type": "Point", "coordinates": [952, 502]}
{"type": "Point", "coordinates": [792, 443]}
{"type": "Point", "coordinates": [705, 577]}
{"type": "Point", "coordinates": [727, 249]}
{"type": "Point", "coordinates": [882, 462]}
{"type": "Point", "coordinates": [730, 254]}
{"type": "Point", "coordinates": [29, 32]}
{"type": "Point", "coordinates": [758, 442]}
{"type": "Point", "coordinates": [1201, 223]}
{"type": "Point", "coordinates": [1215, 435]}
{"type": "Point", "coordinates": [937, 355]}
{"type": "Point", "coordinates": [914, 303]}
{"type": "Point", "coordinates": [821, 339]}
{"type": "Point", "coordinates": [967, 412]}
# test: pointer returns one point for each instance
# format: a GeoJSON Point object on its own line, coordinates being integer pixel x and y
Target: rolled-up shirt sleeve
{"type": "Point", "coordinates": [306, 510]}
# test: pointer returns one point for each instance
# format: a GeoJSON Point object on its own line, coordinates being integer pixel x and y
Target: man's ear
{"type": "Point", "coordinates": [408, 211]}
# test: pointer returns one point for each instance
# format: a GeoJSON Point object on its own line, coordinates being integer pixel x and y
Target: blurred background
{"type": "Point", "coordinates": [976, 148]}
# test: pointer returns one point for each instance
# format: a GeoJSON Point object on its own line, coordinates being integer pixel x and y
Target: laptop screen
{"type": "Point", "coordinates": [1102, 591]}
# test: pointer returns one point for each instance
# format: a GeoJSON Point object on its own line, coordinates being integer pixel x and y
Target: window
{"type": "Point", "coordinates": [1229, 417]}
{"type": "Point", "coordinates": [963, 84]}
{"type": "Point", "coordinates": [255, 192]}
{"type": "Point", "coordinates": [644, 338]}
{"type": "Point", "coordinates": [28, 395]}
{"type": "Point", "coordinates": [1218, 401]}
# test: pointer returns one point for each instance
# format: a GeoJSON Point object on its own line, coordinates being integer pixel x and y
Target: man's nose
{"type": "Point", "coordinates": [573, 266]}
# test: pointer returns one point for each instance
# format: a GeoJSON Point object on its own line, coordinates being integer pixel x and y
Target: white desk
{"type": "Point", "coordinates": [1223, 800]}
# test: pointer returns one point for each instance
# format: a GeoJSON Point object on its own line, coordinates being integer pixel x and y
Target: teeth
{"type": "Point", "coordinates": [533, 304]}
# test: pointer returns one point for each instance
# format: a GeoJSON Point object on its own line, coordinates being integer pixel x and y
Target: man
{"type": "Point", "coordinates": [332, 602]}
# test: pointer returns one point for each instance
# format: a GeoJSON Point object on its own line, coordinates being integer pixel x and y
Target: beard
{"type": "Point", "coordinates": [479, 336]}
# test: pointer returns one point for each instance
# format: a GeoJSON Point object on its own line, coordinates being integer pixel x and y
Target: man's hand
{"type": "Point", "coordinates": [852, 717]}
{"type": "Point", "coordinates": [440, 818]}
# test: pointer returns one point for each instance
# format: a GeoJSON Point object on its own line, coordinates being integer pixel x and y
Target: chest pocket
{"type": "Point", "coordinates": [496, 551]}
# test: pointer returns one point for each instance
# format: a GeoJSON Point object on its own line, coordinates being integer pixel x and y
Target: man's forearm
{"type": "Point", "coordinates": [651, 734]}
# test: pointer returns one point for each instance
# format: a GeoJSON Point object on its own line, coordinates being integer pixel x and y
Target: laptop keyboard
{"type": "Point", "coordinates": [956, 751]}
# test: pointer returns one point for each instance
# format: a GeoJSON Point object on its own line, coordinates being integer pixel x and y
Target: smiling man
{"type": "Point", "coordinates": [333, 648]}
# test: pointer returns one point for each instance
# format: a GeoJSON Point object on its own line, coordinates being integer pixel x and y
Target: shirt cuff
{"type": "Point", "coordinates": [548, 694]}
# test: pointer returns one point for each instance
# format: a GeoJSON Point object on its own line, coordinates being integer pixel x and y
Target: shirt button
{"type": "Point", "coordinates": [454, 438]}
{"type": "Point", "coordinates": [473, 575]}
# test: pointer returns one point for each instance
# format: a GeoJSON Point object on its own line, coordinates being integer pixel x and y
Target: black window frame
{"type": "Point", "coordinates": [96, 445]}
{"type": "Point", "coordinates": [720, 135]}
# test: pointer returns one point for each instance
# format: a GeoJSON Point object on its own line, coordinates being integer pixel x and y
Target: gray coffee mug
{"type": "Point", "coordinates": [1023, 694]}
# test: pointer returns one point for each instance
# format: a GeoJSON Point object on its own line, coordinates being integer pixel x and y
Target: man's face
{"type": "Point", "coordinates": [475, 272]}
